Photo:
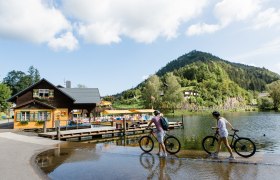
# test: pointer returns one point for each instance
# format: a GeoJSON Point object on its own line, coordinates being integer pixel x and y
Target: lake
{"type": "Point", "coordinates": [123, 159]}
{"type": "Point", "coordinates": [261, 127]}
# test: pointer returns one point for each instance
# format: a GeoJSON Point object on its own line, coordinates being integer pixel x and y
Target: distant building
{"type": "Point", "coordinates": [188, 94]}
{"type": "Point", "coordinates": [45, 102]}
{"type": "Point", "coordinates": [264, 94]}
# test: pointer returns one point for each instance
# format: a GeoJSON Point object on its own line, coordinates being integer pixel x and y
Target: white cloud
{"type": "Point", "coordinates": [31, 20]}
{"type": "Point", "coordinates": [202, 28]}
{"type": "Point", "coordinates": [268, 18]}
{"type": "Point", "coordinates": [229, 11]}
{"type": "Point", "coordinates": [106, 21]}
{"type": "Point", "coordinates": [65, 41]}
{"type": "Point", "coordinates": [92, 33]}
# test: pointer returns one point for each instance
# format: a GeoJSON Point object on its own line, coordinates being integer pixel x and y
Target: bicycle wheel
{"type": "Point", "coordinates": [147, 160]}
{"type": "Point", "coordinates": [172, 144]}
{"type": "Point", "coordinates": [146, 143]}
{"type": "Point", "coordinates": [209, 144]}
{"type": "Point", "coordinates": [244, 147]}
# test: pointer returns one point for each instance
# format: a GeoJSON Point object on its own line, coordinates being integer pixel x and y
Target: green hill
{"type": "Point", "coordinates": [247, 77]}
{"type": "Point", "coordinates": [217, 82]}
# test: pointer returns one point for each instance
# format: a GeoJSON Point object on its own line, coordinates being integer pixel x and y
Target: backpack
{"type": "Point", "coordinates": [164, 123]}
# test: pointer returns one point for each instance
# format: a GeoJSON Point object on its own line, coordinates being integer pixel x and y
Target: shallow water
{"type": "Point", "coordinates": [123, 159]}
{"type": "Point", "coordinates": [108, 161]}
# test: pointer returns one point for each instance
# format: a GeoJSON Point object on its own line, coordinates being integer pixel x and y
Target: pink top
{"type": "Point", "coordinates": [156, 121]}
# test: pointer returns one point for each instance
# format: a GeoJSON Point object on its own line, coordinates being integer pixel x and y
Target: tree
{"type": "Point", "coordinates": [18, 80]}
{"type": "Point", "coordinates": [151, 92]}
{"type": "Point", "coordinates": [274, 92]}
{"type": "Point", "coordinates": [5, 93]}
{"type": "Point", "coordinates": [173, 95]}
{"type": "Point", "coordinates": [34, 74]}
{"type": "Point", "coordinates": [15, 81]}
{"type": "Point", "coordinates": [265, 103]}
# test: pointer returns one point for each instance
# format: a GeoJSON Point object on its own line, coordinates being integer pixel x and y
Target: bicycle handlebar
{"type": "Point", "coordinates": [215, 128]}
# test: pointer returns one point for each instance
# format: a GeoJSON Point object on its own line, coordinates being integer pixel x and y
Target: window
{"type": "Point", "coordinates": [43, 115]}
{"type": "Point", "coordinates": [43, 93]}
{"type": "Point", "coordinates": [25, 116]}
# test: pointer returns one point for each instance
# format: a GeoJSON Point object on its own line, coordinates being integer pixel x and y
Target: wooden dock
{"type": "Point", "coordinates": [102, 130]}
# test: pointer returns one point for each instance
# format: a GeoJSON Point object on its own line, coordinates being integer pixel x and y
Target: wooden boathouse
{"type": "Point", "coordinates": [44, 102]}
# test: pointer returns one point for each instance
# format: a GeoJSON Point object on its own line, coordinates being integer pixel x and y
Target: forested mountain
{"type": "Point", "coordinates": [214, 81]}
{"type": "Point", "coordinates": [247, 77]}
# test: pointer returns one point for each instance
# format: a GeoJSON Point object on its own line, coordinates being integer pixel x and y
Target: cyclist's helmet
{"type": "Point", "coordinates": [156, 112]}
{"type": "Point", "coordinates": [216, 114]}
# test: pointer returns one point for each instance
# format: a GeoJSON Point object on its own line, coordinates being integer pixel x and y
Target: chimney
{"type": "Point", "coordinates": [68, 84]}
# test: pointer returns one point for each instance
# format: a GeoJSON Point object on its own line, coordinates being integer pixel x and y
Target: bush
{"type": "Point", "coordinates": [40, 122]}
{"type": "Point", "coordinates": [265, 103]}
{"type": "Point", "coordinates": [23, 122]}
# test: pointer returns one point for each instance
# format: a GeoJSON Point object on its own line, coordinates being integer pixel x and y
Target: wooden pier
{"type": "Point", "coordinates": [102, 130]}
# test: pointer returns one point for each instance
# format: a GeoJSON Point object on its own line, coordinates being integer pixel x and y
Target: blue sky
{"type": "Point", "coordinates": [115, 44]}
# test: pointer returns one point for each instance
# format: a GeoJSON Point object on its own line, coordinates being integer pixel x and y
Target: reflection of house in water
{"type": "Point", "coordinates": [66, 152]}
{"type": "Point", "coordinates": [188, 94]}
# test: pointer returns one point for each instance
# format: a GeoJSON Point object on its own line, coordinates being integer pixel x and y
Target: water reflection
{"type": "Point", "coordinates": [160, 168]}
{"type": "Point", "coordinates": [108, 161]}
{"type": "Point", "coordinates": [62, 153]}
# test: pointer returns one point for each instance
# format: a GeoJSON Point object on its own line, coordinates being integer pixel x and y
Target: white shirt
{"type": "Point", "coordinates": [222, 126]}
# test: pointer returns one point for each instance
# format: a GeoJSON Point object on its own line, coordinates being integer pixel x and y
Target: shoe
{"type": "Point", "coordinates": [214, 155]}
{"type": "Point", "coordinates": [163, 155]}
{"type": "Point", "coordinates": [159, 154]}
{"type": "Point", "coordinates": [231, 158]}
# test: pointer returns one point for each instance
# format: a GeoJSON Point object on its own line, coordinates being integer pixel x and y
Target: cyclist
{"type": "Point", "coordinates": [223, 132]}
{"type": "Point", "coordinates": [159, 132]}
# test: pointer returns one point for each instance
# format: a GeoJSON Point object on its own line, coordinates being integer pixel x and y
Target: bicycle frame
{"type": "Point", "coordinates": [153, 135]}
{"type": "Point", "coordinates": [233, 139]}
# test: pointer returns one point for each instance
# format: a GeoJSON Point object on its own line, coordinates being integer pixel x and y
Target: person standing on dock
{"type": "Point", "coordinates": [159, 132]}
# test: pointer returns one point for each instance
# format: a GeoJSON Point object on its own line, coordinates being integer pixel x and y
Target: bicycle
{"type": "Point", "coordinates": [172, 144]}
{"type": "Point", "coordinates": [243, 146]}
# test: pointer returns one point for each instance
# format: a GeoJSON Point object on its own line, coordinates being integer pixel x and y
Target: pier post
{"type": "Point", "coordinates": [45, 126]}
{"type": "Point", "coordinates": [182, 121]}
{"type": "Point", "coordinates": [57, 125]}
{"type": "Point", "coordinates": [124, 126]}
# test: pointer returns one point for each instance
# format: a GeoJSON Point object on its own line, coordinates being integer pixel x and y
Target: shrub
{"type": "Point", "coordinates": [23, 122]}
{"type": "Point", "coordinates": [40, 122]}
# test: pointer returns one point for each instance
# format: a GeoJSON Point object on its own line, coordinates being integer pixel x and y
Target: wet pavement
{"type": "Point", "coordinates": [17, 156]}
{"type": "Point", "coordinates": [108, 161]}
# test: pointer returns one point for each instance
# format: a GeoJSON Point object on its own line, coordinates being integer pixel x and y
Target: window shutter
{"type": "Point", "coordinates": [31, 116]}
{"type": "Point", "coordinates": [35, 93]}
{"type": "Point", "coordinates": [36, 116]}
{"type": "Point", "coordinates": [18, 116]}
{"type": "Point", "coordinates": [51, 93]}
{"type": "Point", "coordinates": [48, 116]}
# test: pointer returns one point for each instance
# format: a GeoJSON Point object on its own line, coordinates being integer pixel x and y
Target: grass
{"type": "Point", "coordinates": [128, 106]}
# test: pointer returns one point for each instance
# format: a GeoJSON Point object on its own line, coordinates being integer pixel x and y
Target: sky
{"type": "Point", "coordinates": [114, 45]}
